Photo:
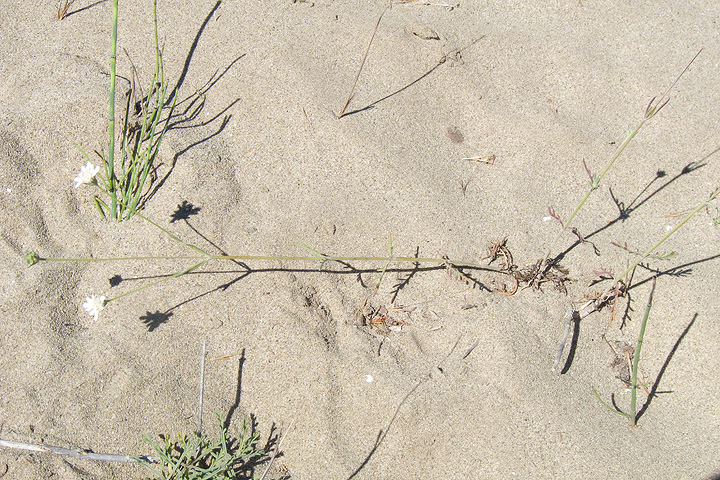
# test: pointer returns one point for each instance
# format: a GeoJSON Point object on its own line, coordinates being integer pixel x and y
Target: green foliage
{"type": "Point", "coordinates": [195, 457]}
{"type": "Point", "coordinates": [144, 126]}
{"type": "Point", "coordinates": [634, 384]}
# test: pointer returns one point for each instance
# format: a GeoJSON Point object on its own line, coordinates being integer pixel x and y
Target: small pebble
{"type": "Point", "coordinates": [455, 135]}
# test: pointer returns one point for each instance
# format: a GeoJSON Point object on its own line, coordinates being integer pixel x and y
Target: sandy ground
{"type": "Point", "coordinates": [541, 85]}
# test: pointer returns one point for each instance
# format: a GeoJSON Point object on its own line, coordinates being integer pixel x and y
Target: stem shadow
{"type": "Point", "coordinates": [454, 54]}
{"type": "Point", "coordinates": [654, 389]}
{"type": "Point", "coordinates": [624, 211]}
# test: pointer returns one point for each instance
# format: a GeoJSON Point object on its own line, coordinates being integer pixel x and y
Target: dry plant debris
{"type": "Point", "coordinates": [487, 159]}
{"type": "Point", "coordinates": [63, 8]}
{"type": "Point", "coordinates": [384, 319]}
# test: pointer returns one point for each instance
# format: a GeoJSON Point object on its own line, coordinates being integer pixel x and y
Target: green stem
{"type": "Point", "coordinates": [608, 293]}
{"type": "Point", "coordinates": [110, 167]}
{"type": "Point", "coordinates": [158, 70]}
{"type": "Point", "coordinates": [280, 258]}
{"type": "Point", "coordinates": [654, 248]}
{"type": "Point", "coordinates": [118, 259]}
{"type": "Point", "coordinates": [652, 109]}
{"type": "Point", "coordinates": [636, 358]}
{"type": "Point", "coordinates": [174, 275]}
{"type": "Point", "coordinates": [596, 181]}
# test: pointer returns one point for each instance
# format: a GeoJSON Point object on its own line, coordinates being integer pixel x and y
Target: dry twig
{"type": "Point", "coordinates": [362, 64]}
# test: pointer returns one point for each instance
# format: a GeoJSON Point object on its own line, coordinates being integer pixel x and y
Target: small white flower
{"type": "Point", "coordinates": [93, 305]}
{"type": "Point", "coordinates": [87, 174]}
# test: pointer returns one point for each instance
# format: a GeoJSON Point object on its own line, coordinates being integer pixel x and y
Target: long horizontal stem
{"type": "Point", "coordinates": [278, 257]}
{"type": "Point", "coordinates": [118, 259]}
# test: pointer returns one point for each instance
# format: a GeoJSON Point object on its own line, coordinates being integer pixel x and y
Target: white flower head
{"type": "Point", "coordinates": [86, 175]}
{"type": "Point", "coordinates": [93, 305]}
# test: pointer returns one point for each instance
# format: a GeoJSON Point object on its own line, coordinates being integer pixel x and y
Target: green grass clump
{"type": "Point", "coordinates": [142, 133]}
{"type": "Point", "coordinates": [195, 457]}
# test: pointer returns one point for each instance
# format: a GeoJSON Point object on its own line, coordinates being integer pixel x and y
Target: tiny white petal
{"type": "Point", "coordinates": [369, 378]}
{"type": "Point", "coordinates": [86, 175]}
{"type": "Point", "coordinates": [547, 219]}
{"type": "Point", "coordinates": [395, 328]}
{"type": "Point", "coordinates": [93, 305]}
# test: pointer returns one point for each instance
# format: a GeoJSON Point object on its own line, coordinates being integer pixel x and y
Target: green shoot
{"type": "Point", "coordinates": [195, 457]}
{"type": "Point", "coordinates": [653, 108]}
{"type": "Point", "coordinates": [636, 358]}
{"type": "Point", "coordinates": [632, 415]}
{"type": "Point", "coordinates": [142, 133]}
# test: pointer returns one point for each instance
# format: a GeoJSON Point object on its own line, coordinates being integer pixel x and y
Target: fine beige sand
{"type": "Point", "coordinates": [267, 166]}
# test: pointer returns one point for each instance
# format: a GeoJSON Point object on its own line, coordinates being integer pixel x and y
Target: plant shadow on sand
{"type": "Point", "coordinates": [453, 56]}
{"type": "Point", "coordinates": [676, 271]}
{"type": "Point", "coordinates": [470, 275]}
{"type": "Point", "coordinates": [624, 211]}
{"type": "Point", "coordinates": [194, 105]}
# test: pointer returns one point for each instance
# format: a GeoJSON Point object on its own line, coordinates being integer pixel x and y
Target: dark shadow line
{"type": "Point", "coordinates": [573, 345]}
{"type": "Point", "coordinates": [196, 41]}
{"type": "Point", "coordinates": [180, 118]}
{"type": "Point", "coordinates": [162, 181]}
{"type": "Point", "coordinates": [211, 81]}
{"type": "Point", "coordinates": [184, 116]}
{"type": "Point", "coordinates": [689, 168]}
{"type": "Point", "coordinates": [680, 270]}
{"type": "Point", "coordinates": [382, 434]}
{"type": "Point", "coordinates": [405, 281]}
{"type": "Point", "coordinates": [624, 212]}
{"type": "Point", "coordinates": [348, 271]}
{"type": "Point", "coordinates": [83, 8]}
{"type": "Point", "coordinates": [614, 404]}
{"type": "Point", "coordinates": [653, 390]}
{"type": "Point", "coordinates": [175, 126]}
{"type": "Point", "coordinates": [216, 247]}
{"type": "Point", "coordinates": [238, 391]}
{"type": "Point", "coordinates": [372, 105]}
{"type": "Point", "coordinates": [440, 62]}
{"type": "Point", "coordinates": [628, 305]}
{"type": "Point", "coordinates": [222, 287]}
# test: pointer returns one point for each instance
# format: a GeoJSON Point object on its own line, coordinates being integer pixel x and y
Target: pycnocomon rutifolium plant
{"type": "Point", "coordinates": [123, 178]}
{"type": "Point", "coordinates": [505, 276]}
{"type": "Point", "coordinates": [619, 283]}
{"type": "Point", "coordinates": [496, 272]}
{"type": "Point", "coordinates": [197, 457]}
